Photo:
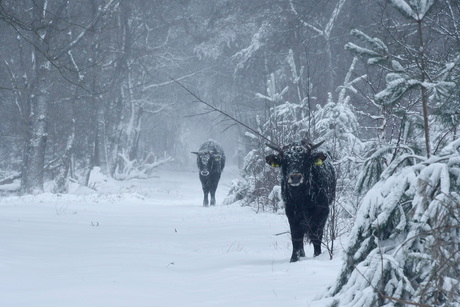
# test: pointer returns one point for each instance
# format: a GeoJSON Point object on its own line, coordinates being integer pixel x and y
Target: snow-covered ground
{"type": "Point", "coordinates": [150, 243]}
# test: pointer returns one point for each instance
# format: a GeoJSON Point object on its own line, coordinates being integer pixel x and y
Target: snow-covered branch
{"type": "Point", "coordinates": [327, 30]}
{"type": "Point", "coordinates": [138, 169]}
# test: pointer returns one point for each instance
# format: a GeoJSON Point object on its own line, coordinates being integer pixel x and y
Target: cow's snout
{"type": "Point", "coordinates": [204, 173]}
{"type": "Point", "coordinates": [295, 179]}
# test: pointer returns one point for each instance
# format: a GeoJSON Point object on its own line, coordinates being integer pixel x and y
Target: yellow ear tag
{"type": "Point", "coordinates": [318, 162]}
{"type": "Point", "coordinates": [273, 164]}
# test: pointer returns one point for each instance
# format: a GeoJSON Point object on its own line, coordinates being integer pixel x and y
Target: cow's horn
{"type": "Point", "coordinates": [274, 147]}
{"type": "Point", "coordinates": [306, 144]}
{"type": "Point", "coordinates": [317, 145]}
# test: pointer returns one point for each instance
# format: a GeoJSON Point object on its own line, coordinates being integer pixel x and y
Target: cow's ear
{"type": "Point", "coordinates": [273, 160]}
{"type": "Point", "coordinates": [194, 152]}
{"type": "Point", "coordinates": [318, 158]}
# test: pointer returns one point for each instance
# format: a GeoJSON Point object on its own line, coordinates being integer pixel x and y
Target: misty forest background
{"type": "Point", "coordinates": [117, 85]}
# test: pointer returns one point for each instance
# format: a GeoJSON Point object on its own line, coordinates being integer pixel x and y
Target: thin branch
{"type": "Point", "coordinates": [199, 114]}
{"type": "Point", "coordinates": [315, 29]}
{"type": "Point", "coordinates": [230, 126]}
{"type": "Point", "coordinates": [215, 109]}
{"type": "Point", "coordinates": [15, 88]}
{"type": "Point", "coordinates": [146, 87]}
{"type": "Point", "coordinates": [101, 11]}
{"type": "Point", "coordinates": [403, 301]}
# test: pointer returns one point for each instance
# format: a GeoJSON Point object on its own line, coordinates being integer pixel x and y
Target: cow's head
{"type": "Point", "coordinates": [296, 160]}
{"type": "Point", "coordinates": [207, 161]}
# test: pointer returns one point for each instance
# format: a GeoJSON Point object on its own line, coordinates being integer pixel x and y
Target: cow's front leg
{"type": "Point", "coordinates": [213, 199]}
{"type": "Point", "coordinates": [205, 193]}
{"type": "Point", "coordinates": [213, 195]}
{"type": "Point", "coordinates": [297, 250]}
{"type": "Point", "coordinates": [205, 200]}
{"type": "Point", "coordinates": [316, 238]}
{"type": "Point", "coordinates": [315, 233]}
{"type": "Point", "coordinates": [213, 189]}
{"type": "Point", "coordinates": [297, 241]}
{"type": "Point", "coordinates": [317, 248]}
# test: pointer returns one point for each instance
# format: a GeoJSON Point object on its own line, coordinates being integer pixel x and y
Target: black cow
{"type": "Point", "coordinates": [211, 162]}
{"type": "Point", "coordinates": [308, 189]}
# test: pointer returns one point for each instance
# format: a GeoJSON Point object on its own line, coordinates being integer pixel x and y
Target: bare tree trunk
{"type": "Point", "coordinates": [66, 160]}
{"type": "Point", "coordinates": [127, 132]}
{"type": "Point", "coordinates": [100, 148]}
{"type": "Point", "coordinates": [423, 89]}
{"type": "Point", "coordinates": [36, 129]}
{"type": "Point", "coordinates": [100, 153]}
{"type": "Point", "coordinates": [136, 134]}
{"type": "Point", "coordinates": [34, 158]}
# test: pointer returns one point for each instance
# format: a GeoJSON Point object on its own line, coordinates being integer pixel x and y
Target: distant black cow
{"type": "Point", "coordinates": [308, 189]}
{"type": "Point", "coordinates": [211, 162]}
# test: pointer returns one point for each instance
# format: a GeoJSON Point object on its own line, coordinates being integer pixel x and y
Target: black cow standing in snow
{"type": "Point", "coordinates": [211, 162]}
{"type": "Point", "coordinates": [308, 189]}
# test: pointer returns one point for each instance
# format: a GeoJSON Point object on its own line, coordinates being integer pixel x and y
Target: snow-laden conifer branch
{"type": "Point", "coordinates": [247, 53]}
{"type": "Point", "coordinates": [414, 9]}
{"type": "Point", "coordinates": [404, 245]}
{"type": "Point", "coordinates": [386, 297]}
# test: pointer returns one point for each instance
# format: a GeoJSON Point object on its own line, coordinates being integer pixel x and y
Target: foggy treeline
{"type": "Point", "coordinates": [89, 83]}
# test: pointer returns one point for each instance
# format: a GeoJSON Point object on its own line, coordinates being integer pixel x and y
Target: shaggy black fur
{"type": "Point", "coordinates": [308, 189]}
{"type": "Point", "coordinates": [211, 162]}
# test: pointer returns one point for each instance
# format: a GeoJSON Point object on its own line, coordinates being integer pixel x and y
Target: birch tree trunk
{"type": "Point", "coordinates": [35, 146]}
{"type": "Point", "coordinates": [36, 130]}
{"type": "Point", "coordinates": [61, 185]}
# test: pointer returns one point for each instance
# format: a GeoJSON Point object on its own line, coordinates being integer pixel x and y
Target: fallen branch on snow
{"type": "Point", "coordinates": [135, 169]}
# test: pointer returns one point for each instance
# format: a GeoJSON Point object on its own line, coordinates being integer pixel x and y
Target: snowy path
{"type": "Point", "coordinates": [155, 247]}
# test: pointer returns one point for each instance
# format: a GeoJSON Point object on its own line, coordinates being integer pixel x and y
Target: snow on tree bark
{"type": "Point", "coordinates": [34, 159]}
